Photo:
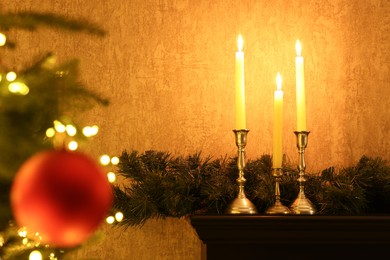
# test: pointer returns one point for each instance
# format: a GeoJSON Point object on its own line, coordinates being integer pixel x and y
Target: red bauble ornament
{"type": "Point", "coordinates": [62, 195]}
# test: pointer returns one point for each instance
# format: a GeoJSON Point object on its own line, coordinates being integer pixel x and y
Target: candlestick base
{"type": "Point", "coordinates": [241, 205]}
{"type": "Point", "coordinates": [278, 208]}
{"type": "Point", "coordinates": [302, 205]}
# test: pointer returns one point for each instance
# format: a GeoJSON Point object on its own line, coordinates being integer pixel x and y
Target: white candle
{"type": "Point", "coordinates": [240, 87]}
{"type": "Point", "coordinates": [300, 88]}
{"type": "Point", "coordinates": [278, 124]}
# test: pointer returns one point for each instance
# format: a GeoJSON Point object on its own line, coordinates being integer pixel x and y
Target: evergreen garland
{"type": "Point", "coordinates": [159, 185]}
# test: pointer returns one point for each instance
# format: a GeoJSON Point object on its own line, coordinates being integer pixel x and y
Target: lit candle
{"type": "Point", "coordinates": [278, 124]}
{"type": "Point", "coordinates": [240, 87]}
{"type": "Point", "coordinates": [300, 85]}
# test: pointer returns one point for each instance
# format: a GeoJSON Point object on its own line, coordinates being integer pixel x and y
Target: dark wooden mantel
{"type": "Point", "coordinates": [294, 237]}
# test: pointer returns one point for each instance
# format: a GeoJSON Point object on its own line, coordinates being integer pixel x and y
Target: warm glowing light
{"type": "Point", "coordinates": [25, 241]}
{"type": "Point", "coordinates": [11, 76]}
{"type": "Point", "coordinates": [52, 256]}
{"type": "Point", "coordinates": [18, 88]}
{"type": "Point", "coordinates": [240, 42]}
{"type": "Point", "coordinates": [89, 131]}
{"type": "Point", "coordinates": [278, 82]}
{"type": "Point", "coordinates": [111, 177]}
{"type": "Point", "coordinates": [71, 130]}
{"type": "Point", "coordinates": [38, 239]}
{"type": "Point", "coordinates": [59, 127]}
{"type": "Point", "coordinates": [50, 132]}
{"type": "Point", "coordinates": [3, 39]}
{"type": "Point", "coordinates": [95, 129]}
{"type": "Point", "coordinates": [119, 216]}
{"type": "Point", "coordinates": [22, 232]}
{"type": "Point", "coordinates": [105, 159]}
{"type": "Point", "coordinates": [110, 219]}
{"type": "Point", "coordinates": [73, 145]}
{"type": "Point", "coordinates": [298, 48]}
{"type": "Point", "coordinates": [35, 255]}
{"type": "Point", "coordinates": [114, 160]}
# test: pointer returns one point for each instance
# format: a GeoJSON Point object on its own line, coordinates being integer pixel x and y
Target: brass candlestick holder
{"type": "Point", "coordinates": [241, 204]}
{"type": "Point", "coordinates": [278, 207]}
{"type": "Point", "coordinates": [302, 205]}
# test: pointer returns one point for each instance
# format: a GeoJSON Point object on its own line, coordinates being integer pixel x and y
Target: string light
{"type": "Point", "coordinates": [35, 255]}
{"type": "Point", "coordinates": [73, 145]}
{"type": "Point", "coordinates": [95, 130]}
{"type": "Point", "coordinates": [11, 76]}
{"type": "Point", "coordinates": [111, 177]}
{"type": "Point", "coordinates": [59, 127]}
{"type": "Point", "coordinates": [38, 239]}
{"type": "Point", "coordinates": [87, 131]}
{"type": "Point", "coordinates": [105, 159]}
{"type": "Point", "coordinates": [3, 39]}
{"type": "Point", "coordinates": [22, 232]}
{"type": "Point", "coordinates": [50, 132]}
{"type": "Point", "coordinates": [110, 219]}
{"type": "Point", "coordinates": [18, 88]}
{"type": "Point", "coordinates": [119, 216]}
{"type": "Point", "coordinates": [90, 131]}
{"type": "Point", "coordinates": [52, 256]}
{"type": "Point", "coordinates": [114, 160]}
{"type": "Point", "coordinates": [70, 130]}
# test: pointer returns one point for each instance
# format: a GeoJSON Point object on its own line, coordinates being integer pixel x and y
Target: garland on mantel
{"type": "Point", "coordinates": [160, 185]}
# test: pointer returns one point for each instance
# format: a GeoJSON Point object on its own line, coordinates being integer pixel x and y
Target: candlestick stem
{"type": "Point", "coordinates": [278, 207]}
{"type": "Point", "coordinates": [302, 205]}
{"type": "Point", "coordinates": [241, 204]}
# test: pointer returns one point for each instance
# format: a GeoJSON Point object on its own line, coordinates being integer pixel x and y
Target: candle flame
{"type": "Point", "coordinates": [240, 42]}
{"type": "Point", "coordinates": [278, 82]}
{"type": "Point", "coordinates": [298, 48]}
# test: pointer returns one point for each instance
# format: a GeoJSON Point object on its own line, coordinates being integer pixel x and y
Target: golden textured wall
{"type": "Point", "coordinates": [168, 69]}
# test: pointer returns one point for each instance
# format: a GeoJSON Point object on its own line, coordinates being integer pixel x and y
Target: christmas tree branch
{"type": "Point", "coordinates": [25, 117]}
{"type": "Point", "coordinates": [32, 20]}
